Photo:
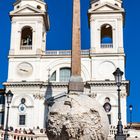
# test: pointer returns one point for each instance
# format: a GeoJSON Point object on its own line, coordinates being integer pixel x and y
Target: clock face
{"type": "Point", "coordinates": [24, 69]}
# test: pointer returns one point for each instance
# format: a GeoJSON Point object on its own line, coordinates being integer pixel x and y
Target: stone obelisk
{"type": "Point", "coordinates": [76, 116]}
{"type": "Point", "coordinates": [76, 83]}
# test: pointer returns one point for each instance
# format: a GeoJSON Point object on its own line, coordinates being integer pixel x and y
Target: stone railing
{"type": "Point", "coordinates": [64, 52]}
{"type": "Point", "coordinates": [25, 47]}
{"type": "Point", "coordinates": [113, 131]}
{"type": "Point", "coordinates": [21, 136]}
{"type": "Point", "coordinates": [106, 45]}
{"type": "Point", "coordinates": [43, 136]}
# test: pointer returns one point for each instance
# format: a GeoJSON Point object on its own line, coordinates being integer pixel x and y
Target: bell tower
{"type": "Point", "coordinates": [106, 24]}
{"type": "Point", "coordinates": [106, 19]}
{"type": "Point", "coordinates": [30, 22]}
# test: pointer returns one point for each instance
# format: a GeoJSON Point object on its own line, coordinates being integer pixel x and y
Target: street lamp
{"type": "Point", "coordinates": [9, 96]}
{"type": "Point", "coordinates": [118, 79]}
{"type": "Point", "coordinates": [130, 108]}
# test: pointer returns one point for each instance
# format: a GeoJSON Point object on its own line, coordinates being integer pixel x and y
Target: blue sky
{"type": "Point", "coordinates": [59, 37]}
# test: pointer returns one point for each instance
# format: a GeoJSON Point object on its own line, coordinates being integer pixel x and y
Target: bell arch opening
{"type": "Point", "coordinates": [106, 36]}
{"type": "Point", "coordinates": [26, 38]}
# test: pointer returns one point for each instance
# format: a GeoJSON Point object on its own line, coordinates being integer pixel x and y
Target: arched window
{"type": "Point", "coordinates": [106, 36]}
{"type": "Point", "coordinates": [26, 38]}
{"type": "Point", "coordinates": [53, 76]}
{"type": "Point", "coordinates": [64, 74]}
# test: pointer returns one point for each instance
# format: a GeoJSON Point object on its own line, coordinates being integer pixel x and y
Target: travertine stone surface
{"type": "Point", "coordinates": [77, 117]}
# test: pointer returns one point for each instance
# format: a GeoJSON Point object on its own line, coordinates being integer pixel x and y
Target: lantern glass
{"type": "Point", "coordinates": [118, 76]}
{"type": "Point", "coordinates": [130, 107]}
{"type": "Point", "coordinates": [9, 96]}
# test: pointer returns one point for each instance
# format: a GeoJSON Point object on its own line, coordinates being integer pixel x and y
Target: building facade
{"type": "Point", "coordinates": [36, 74]}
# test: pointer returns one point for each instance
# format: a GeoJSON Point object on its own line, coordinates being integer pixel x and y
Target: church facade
{"type": "Point", "coordinates": [36, 74]}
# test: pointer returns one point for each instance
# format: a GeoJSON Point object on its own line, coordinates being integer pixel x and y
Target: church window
{"type": "Point", "coordinates": [22, 119]}
{"type": "Point", "coordinates": [18, 6]}
{"type": "Point", "coordinates": [53, 76]}
{"type": "Point", "coordinates": [107, 99]}
{"type": "Point", "coordinates": [38, 7]}
{"type": "Point", "coordinates": [1, 118]}
{"type": "Point", "coordinates": [26, 38]}
{"type": "Point", "coordinates": [109, 118]}
{"type": "Point", "coordinates": [23, 100]}
{"type": "Point", "coordinates": [116, 4]}
{"type": "Point", "coordinates": [65, 74]}
{"type": "Point", "coordinates": [2, 99]}
{"type": "Point", "coordinates": [106, 36]}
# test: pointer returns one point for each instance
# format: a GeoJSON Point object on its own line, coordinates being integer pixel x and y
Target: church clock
{"type": "Point", "coordinates": [24, 69]}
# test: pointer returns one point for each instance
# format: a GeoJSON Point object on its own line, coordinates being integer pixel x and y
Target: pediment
{"type": "Point", "coordinates": [27, 9]}
{"type": "Point", "coordinates": [107, 7]}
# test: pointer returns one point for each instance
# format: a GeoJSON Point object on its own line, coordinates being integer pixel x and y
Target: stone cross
{"type": "Point", "coordinates": [76, 83]}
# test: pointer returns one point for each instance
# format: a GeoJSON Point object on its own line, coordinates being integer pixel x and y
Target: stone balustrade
{"type": "Point", "coordinates": [106, 45]}
{"type": "Point", "coordinates": [26, 47]}
{"type": "Point", "coordinates": [43, 136]}
{"type": "Point", "coordinates": [64, 52]}
{"type": "Point", "coordinates": [21, 136]}
{"type": "Point", "coordinates": [113, 131]}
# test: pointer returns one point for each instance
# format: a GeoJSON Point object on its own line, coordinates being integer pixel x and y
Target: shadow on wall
{"type": "Point", "coordinates": [47, 103]}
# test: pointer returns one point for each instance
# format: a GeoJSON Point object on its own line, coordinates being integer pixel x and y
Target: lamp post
{"type": "Point", "coordinates": [130, 108]}
{"type": "Point", "coordinates": [9, 96]}
{"type": "Point", "coordinates": [118, 79]}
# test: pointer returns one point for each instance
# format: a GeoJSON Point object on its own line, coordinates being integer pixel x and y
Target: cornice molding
{"type": "Point", "coordinates": [125, 83]}
{"type": "Point", "coordinates": [105, 12]}
{"type": "Point", "coordinates": [43, 55]}
{"type": "Point", "coordinates": [35, 84]}
{"type": "Point", "coordinates": [41, 83]}
{"type": "Point", "coordinates": [111, 83]}
{"type": "Point", "coordinates": [87, 84]}
{"type": "Point", "coordinates": [18, 1]}
{"type": "Point", "coordinates": [113, 8]}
